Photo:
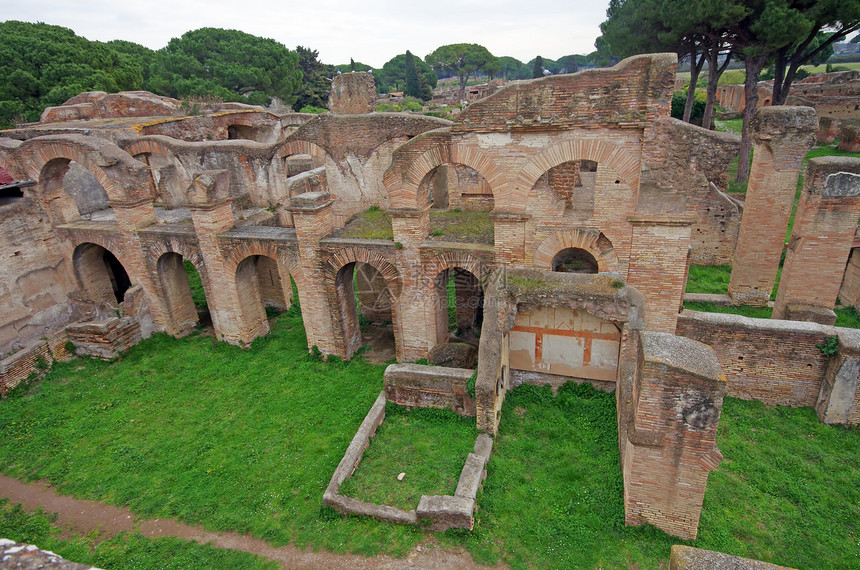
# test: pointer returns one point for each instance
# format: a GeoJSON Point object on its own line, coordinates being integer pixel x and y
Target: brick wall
{"type": "Point", "coordinates": [772, 361]}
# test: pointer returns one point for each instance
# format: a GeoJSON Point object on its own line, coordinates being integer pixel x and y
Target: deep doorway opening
{"type": "Point", "coordinates": [100, 273]}
{"type": "Point", "coordinates": [460, 307]}
{"type": "Point", "coordinates": [365, 307]}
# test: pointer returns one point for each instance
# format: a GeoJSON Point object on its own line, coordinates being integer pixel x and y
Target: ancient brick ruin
{"type": "Point", "coordinates": [564, 212]}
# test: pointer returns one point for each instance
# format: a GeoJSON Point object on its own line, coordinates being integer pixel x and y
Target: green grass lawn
{"type": "Point", "coordinates": [430, 446]}
{"type": "Point", "coordinates": [123, 550]}
{"type": "Point", "coordinates": [247, 440]}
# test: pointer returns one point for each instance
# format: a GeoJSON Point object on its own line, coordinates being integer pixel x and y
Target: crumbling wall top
{"type": "Point", "coordinates": [631, 94]}
{"type": "Point", "coordinates": [353, 93]}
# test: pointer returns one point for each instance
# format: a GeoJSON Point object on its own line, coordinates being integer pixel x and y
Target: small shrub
{"type": "Point", "coordinates": [312, 109]}
{"type": "Point", "coordinates": [388, 108]}
{"type": "Point", "coordinates": [398, 245]}
{"type": "Point", "coordinates": [470, 384]}
{"type": "Point", "coordinates": [829, 347]}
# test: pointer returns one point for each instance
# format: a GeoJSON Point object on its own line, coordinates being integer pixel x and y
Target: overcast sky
{"type": "Point", "coordinates": [370, 31]}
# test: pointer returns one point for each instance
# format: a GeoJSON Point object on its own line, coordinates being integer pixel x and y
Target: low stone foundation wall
{"type": "Point", "coordinates": [32, 361]}
{"type": "Point", "coordinates": [435, 513]}
{"type": "Point", "coordinates": [104, 339]}
{"type": "Point", "coordinates": [417, 385]}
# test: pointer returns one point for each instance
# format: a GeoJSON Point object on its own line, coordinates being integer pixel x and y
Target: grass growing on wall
{"type": "Point", "coordinates": [430, 446]}
{"type": "Point", "coordinates": [123, 551]}
{"type": "Point", "coordinates": [246, 440]}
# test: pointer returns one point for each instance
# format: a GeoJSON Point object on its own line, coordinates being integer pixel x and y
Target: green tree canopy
{"type": "Point", "coordinates": [461, 60]}
{"type": "Point", "coordinates": [512, 68]}
{"type": "Point", "coordinates": [45, 65]}
{"type": "Point", "coordinates": [537, 67]}
{"type": "Point", "coordinates": [315, 85]}
{"type": "Point", "coordinates": [392, 76]}
{"type": "Point", "coordinates": [226, 63]}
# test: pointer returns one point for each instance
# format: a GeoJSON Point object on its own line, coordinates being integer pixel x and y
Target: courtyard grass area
{"type": "Point", "coordinates": [247, 439]}
{"type": "Point", "coordinates": [124, 550]}
{"type": "Point", "coordinates": [714, 280]}
{"type": "Point", "coordinates": [430, 446]}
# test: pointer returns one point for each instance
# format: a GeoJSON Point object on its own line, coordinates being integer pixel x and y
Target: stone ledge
{"type": "Point", "coordinates": [471, 477]}
{"type": "Point", "coordinates": [689, 558]}
{"type": "Point", "coordinates": [356, 448]}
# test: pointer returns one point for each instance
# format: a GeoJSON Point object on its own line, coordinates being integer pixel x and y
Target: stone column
{"type": "Point", "coordinates": [312, 216]}
{"type": "Point", "coordinates": [658, 267]}
{"type": "Point", "coordinates": [782, 137]}
{"type": "Point", "coordinates": [212, 213]}
{"type": "Point", "coordinates": [821, 240]}
{"type": "Point", "coordinates": [416, 305]}
{"type": "Point", "coordinates": [669, 445]}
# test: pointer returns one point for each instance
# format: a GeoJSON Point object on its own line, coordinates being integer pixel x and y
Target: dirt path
{"type": "Point", "coordinates": [86, 516]}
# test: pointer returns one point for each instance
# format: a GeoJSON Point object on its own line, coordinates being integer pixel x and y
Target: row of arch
{"type": "Point", "coordinates": [403, 184]}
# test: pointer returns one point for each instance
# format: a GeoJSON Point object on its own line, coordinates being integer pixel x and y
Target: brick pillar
{"type": "Point", "coordinates": [417, 303]}
{"type": "Point", "coordinates": [212, 213]}
{"type": "Point", "coordinates": [312, 216]}
{"type": "Point", "coordinates": [131, 216]}
{"type": "Point", "coordinates": [782, 136]}
{"type": "Point", "coordinates": [658, 267]}
{"type": "Point", "coordinates": [510, 237]}
{"type": "Point", "coordinates": [821, 240]}
{"type": "Point", "coordinates": [669, 446]}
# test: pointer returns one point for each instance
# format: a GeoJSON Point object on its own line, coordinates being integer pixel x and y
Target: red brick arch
{"type": "Point", "coordinates": [122, 177]}
{"type": "Point", "coordinates": [591, 241]}
{"type": "Point", "coordinates": [626, 166]}
{"type": "Point", "coordinates": [451, 259]}
{"type": "Point", "coordinates": [302, 147]}
{"type": "Point", "coordinates": [402, 187]}
{"type": "Point", "coordinates": [156, 250]}
{"type": "Point", "coordinates": [337, 260]}
{"type": "Point", "coordinates": [244, 250]}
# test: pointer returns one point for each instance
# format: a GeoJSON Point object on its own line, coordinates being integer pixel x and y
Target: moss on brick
{"type": "Point", "coordinates": [461, 226]}
{"type": "Point", "coordinates": [370, 224]}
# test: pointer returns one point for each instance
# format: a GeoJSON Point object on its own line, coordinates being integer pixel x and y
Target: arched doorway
{"type": "Point", "coordinates": [72, 192]}
{"type": "Point", "coordinates": [453, 186]}
{"type": "Point", "coordinates": [183, 292]}
{"type": "Point", "coordinates": [460, 306]}
{"type": "Point", "coordinates": [365, 308]}
{"type": "Point", "coordinates": [261, 294]}
{"type": "Point", "coordinates": [100, 274]}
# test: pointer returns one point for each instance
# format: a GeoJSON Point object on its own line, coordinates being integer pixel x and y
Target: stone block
{"type": "Point", "coordinates": [444, 511]}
